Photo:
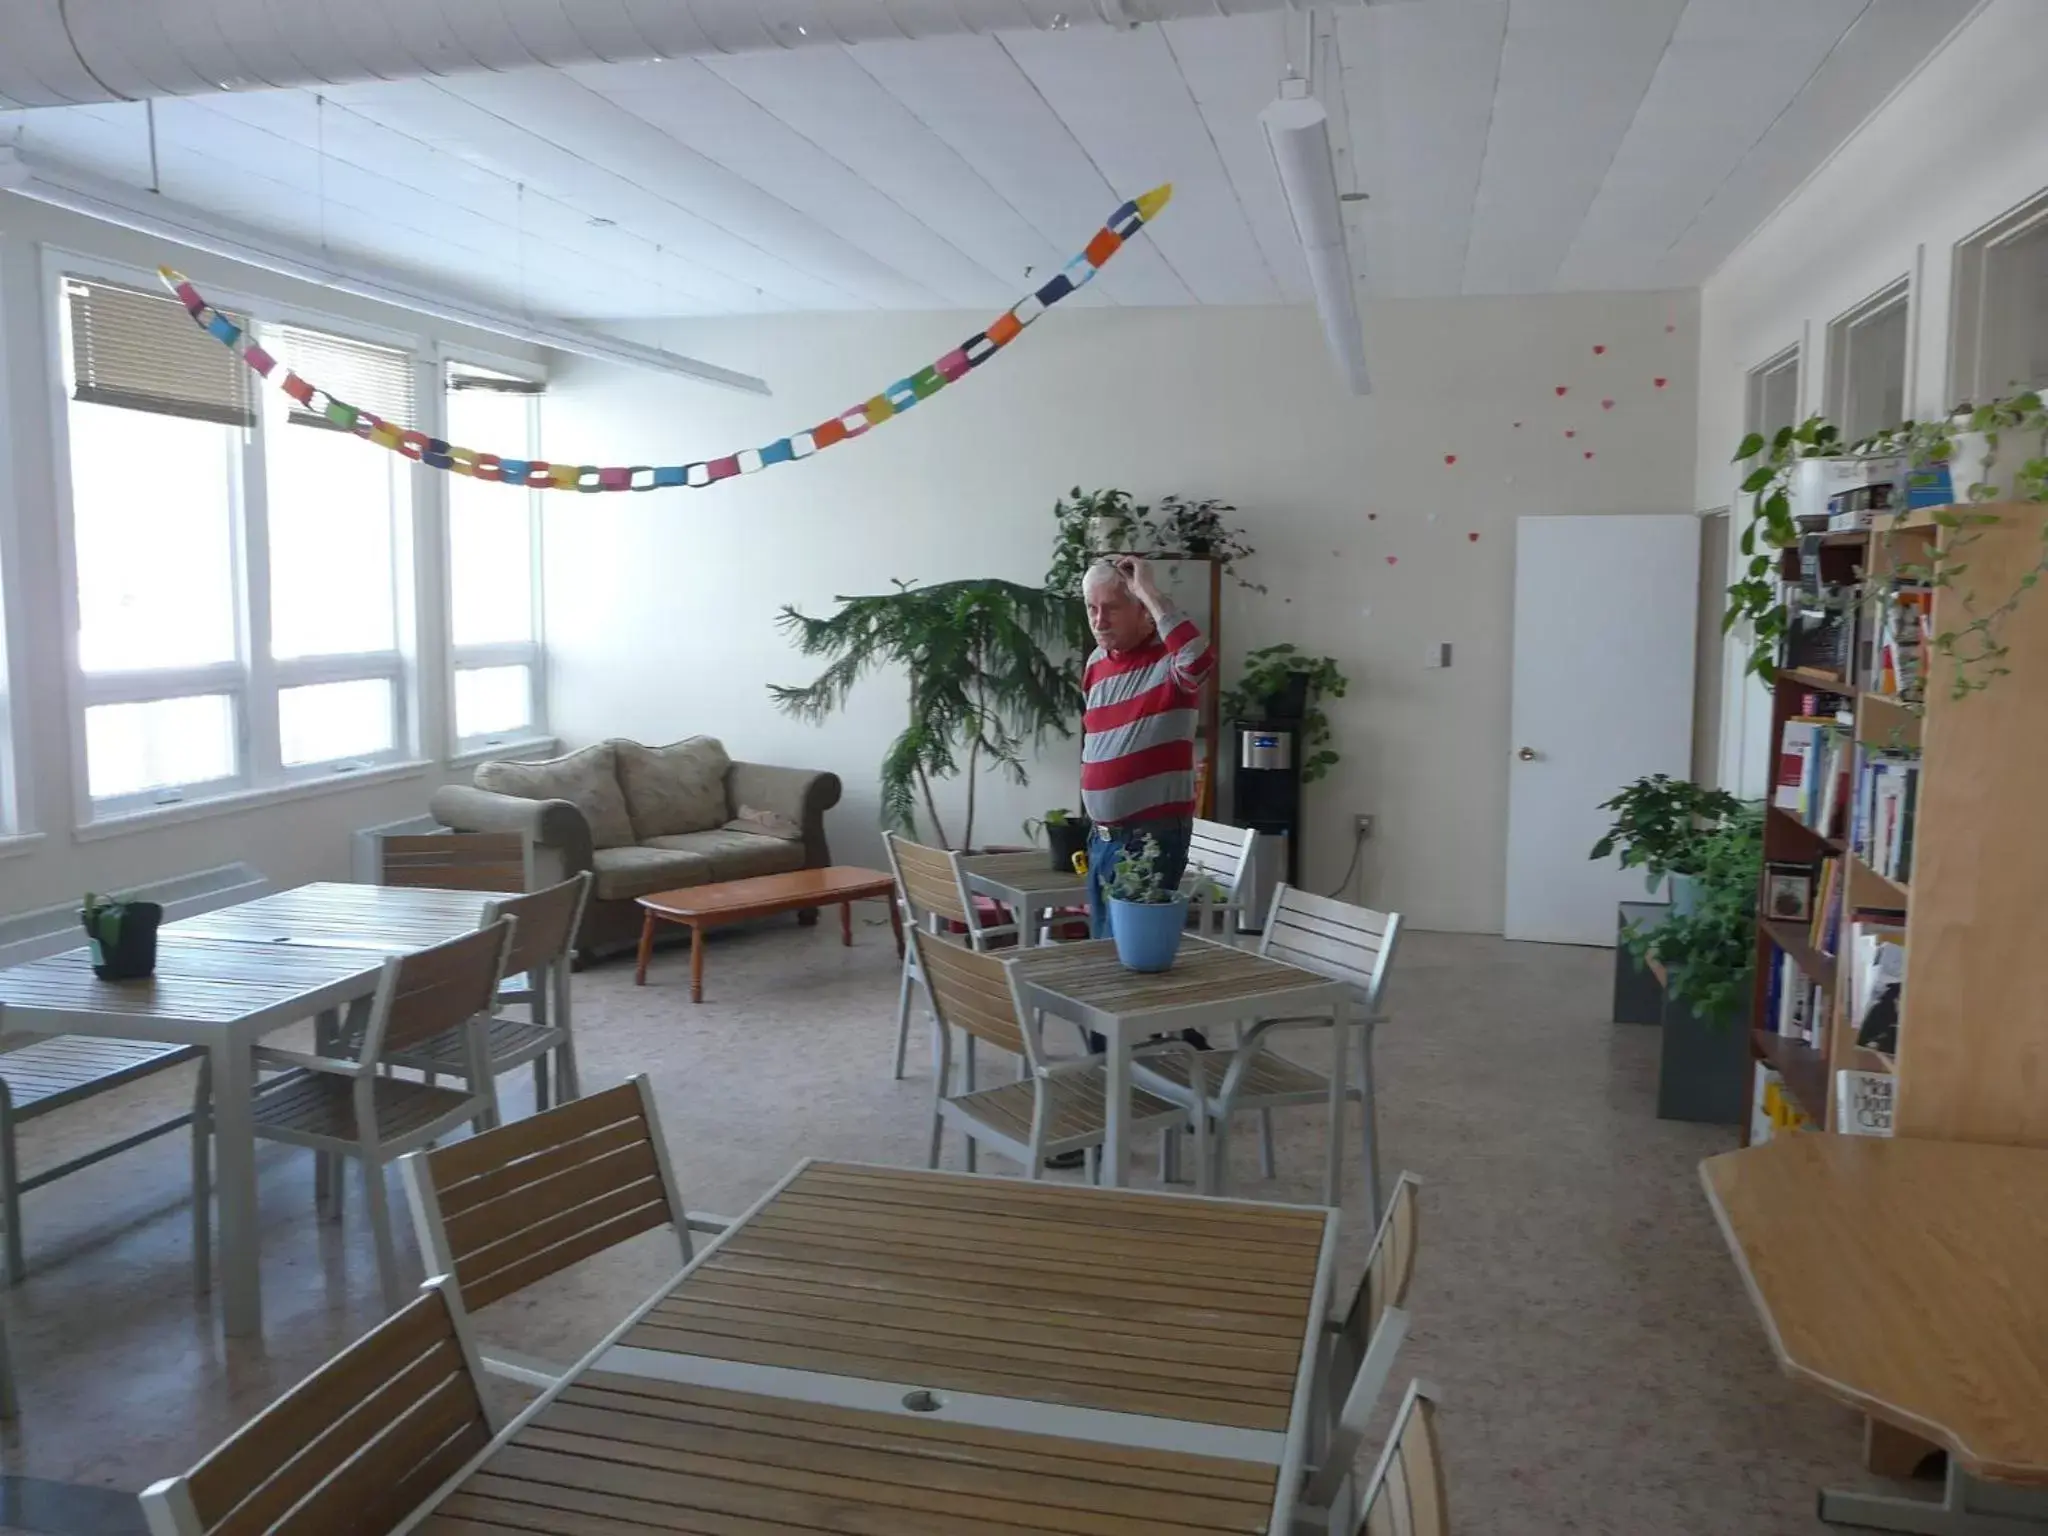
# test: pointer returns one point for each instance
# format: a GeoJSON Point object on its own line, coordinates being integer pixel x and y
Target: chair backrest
{"type": "Point", "coordinates": [1220, 855]}
{"type": "Point", "coordinates": [929, 879]}
{"type": "Point", "coordinates": [1332, 938]}
{"type": "Point", "coordinates": [514, 1205]}
{"type": "Point", "coordinates": [1405, 1495]}
{"type": "Point", "coordinates": [1390, 1264]}
{"type": "Point", "coordinates": [356, 1446]}
{"type": "Point", "coordinates": [432, 991]}
{"type": "Point", "coordinates": [457, 861]}
{"type": "Point", "coordinates": [969, 989]}
{"type": "Point", "coordinates": [546, 923]}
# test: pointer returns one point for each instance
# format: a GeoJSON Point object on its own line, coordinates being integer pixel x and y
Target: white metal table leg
{"type": "Point", "coordinates": [1968, 1507]}
{"type": "Point", "coordinates": [1369, 1126]}
{"type": "Point", "coordinates": [234, 1143]}
{"type": "Point", "coordinates": [1333, 1153]}
{"type": "Point", "coordinates": [1116, 1145]}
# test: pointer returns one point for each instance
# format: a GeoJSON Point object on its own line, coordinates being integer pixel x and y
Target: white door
{"type": "Point", "coordinates": [1603, 694]}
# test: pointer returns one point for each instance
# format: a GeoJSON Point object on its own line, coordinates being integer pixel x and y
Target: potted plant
{"type": "Point", "coordinates": [1659, 825]}
{"type": "Point", "coordinates": [1709, 956]}
{"type": "Point", "coordinates": [992, 667]}
{"type": "Point", "coordinates": [1093, 524]}
{"type": "Point", "coordinates": [1145, 918]}
{"type": "Point", "coordinates": [122, 935]}
{"type": "Point", "coordinates": [1197, 528]}
{"type": "Point", "coordinates": [1066, 835]}
{"type": "Point", "coordinates": [1282, 682]}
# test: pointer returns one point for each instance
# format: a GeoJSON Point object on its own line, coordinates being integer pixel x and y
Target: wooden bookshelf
{"type": "Point", "coordinates": [1973, 1035]}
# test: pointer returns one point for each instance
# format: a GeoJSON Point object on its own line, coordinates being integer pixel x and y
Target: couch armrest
{"type": "Point", "coordinates": [554, 825]}
{"type": "Point", "coordinates": [803, 795]}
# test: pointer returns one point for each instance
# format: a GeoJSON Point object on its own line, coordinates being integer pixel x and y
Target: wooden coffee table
{"type": "Point", "coordinates": [699, 907]}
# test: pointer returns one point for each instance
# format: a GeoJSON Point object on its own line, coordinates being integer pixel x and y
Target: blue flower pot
{"type": "Point", "coordinates": [1148, 933]}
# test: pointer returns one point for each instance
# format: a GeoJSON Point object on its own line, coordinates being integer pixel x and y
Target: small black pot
{"type": "Point", "coordinates": [133, 954]}
{"type": "Point", "coordinates": [1290, 700]}
{"type": "Point", "coordinates": [1066, 839]}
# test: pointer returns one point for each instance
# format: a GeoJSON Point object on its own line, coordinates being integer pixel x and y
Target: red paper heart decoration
{"type": "Point", "coordinates": [1450, 458]}
{"type": "Point", "coordinates": [1660, 383]}
{"type": "Point", "coordinates": [1372, 517]}
{"type": "Point", "coordinates": [1393, 559]}
{"type": "Point", "coordinates": [1571, 431]}
{"type": "Point", "coordinates": [1589, 453]}
{"type": "Point", "coordinates": [1560, 389]}
{"type": "Point", "coordinates": [1518, 425]}
{"type": "Point", "coordinates": [1473, 537]}
{"type": "Point", "coordinates": [1598, 349]}
{"type": "Point", "coordinates": [1669, 329]}
{"type": "Point", "coordinates": [1606, 405]}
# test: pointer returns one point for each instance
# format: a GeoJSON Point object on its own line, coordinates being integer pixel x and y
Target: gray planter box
{"type": "Point", "coordinates": [1638, 995]}
{"type": "Point", "coordinates": [1704, 1071]}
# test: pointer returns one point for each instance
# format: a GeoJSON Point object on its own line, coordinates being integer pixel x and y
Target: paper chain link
{"type": "Point", "coordinates": [539, 474]}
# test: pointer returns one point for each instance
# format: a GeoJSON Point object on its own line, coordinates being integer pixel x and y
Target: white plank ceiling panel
{"type": "Point", "coordinates": [1733, 67]}
{"type": "Point", "coordinates": [1419, 88]}
{"type": "Point", "coordinates": [913, 265]}
{"type": "Point", "coordinates": [1886, 43]}
{"type": "Point", "coordinates": [969, 92]}
{"type": "Point", "coordinates": [1572, 73]}
{"type": "Point", "coordinates": [1233, 67]}
{"type": "Point", "coordinates": [825, 95]}
{"type": "Point", "coordinates": [1128, 106]}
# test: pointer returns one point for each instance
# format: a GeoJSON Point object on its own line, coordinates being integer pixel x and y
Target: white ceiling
{"type": "Point", "coordinates": [1505, 146]}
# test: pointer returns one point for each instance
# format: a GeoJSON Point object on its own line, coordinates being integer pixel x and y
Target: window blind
{"type": "Point", "coordinates": [462, 378]}
{"type": "Point", "coordinates": [141, 351]}
{"type": "Point", "coordinates": [367, 376]}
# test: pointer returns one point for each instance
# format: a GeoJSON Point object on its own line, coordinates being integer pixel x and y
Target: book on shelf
{"type": "Point", "coordinates": [1902, 642]}
{"type": "Point", "coordinates": [1877, 977]}
{"type": "Point", "coordinates": [1823, 926]}
{"type": "Point", "coordinates": [1863, 1103]}
{"type": "Point", "coordinates": [1771, 1109]}
{"type": "Point", "coordinates": [1886, 799]}
{"type": "Point", "coordinates": [1813, 768]}
{"type": "Point", "coordinates": [1798, 1003]}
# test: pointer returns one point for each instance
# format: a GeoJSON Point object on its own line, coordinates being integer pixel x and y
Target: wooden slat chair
{"type": "Point", "coordinates": [1058, 1104]}
{"type": "Point", "coordinates": [1335, 939]}
{"type": "Point", "coordinates": [503, 1210]}
{"type": "Point", "coordinates": [1220, 859]}
{"type": "Point", "coordinates": [544, 935]}
{"type": "Point", "coordinates": [348, 1105]}
{"type": "Point", "coordinates": [457, 861]}
{"type": "Point", "coordinates": [1405, 1495]}
{"type": "Point", "coordinates": [933, 893]}
{"type": "Point", "coordinates": [357, 1446]}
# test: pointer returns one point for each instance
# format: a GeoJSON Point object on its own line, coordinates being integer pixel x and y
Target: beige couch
{"type": "Point", "coordinates": [646, 819]}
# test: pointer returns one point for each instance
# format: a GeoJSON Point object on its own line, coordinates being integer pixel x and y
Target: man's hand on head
{"type": "Point", "coordinates": [1137, 575]}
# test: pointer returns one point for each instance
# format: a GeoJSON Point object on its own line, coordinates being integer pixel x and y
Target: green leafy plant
{"type": "Point", "coordinates": [1197, 528]}
{"type": "Point", "coordinates": [1660, 823]}
{"type": "Point", "coordinates": [1137, 879]}
{"type": "Point", "coordinates": [102, 918]}
{"type": "Point", "coordinates": [1754, 598]}
{"type": "Point", "coordinates": [992, 667]}
{"type": "Point", "coordinates": [1709, 953]}
{"type": "Point", "coordinates": [1265, 673]}
{"type": "Point", "coordinates": [1084, 518]}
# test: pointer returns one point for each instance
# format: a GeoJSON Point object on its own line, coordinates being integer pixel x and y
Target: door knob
{"type": "Point", "coordinates": [1527, 754]}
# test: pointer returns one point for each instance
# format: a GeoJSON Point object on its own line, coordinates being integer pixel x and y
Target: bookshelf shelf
{"type": "Point", "coordinates": [1867, 888]}
{"type": "Point", "coordinates": [1783, 821]}
{"type": "Point", "coordinates": [1818, 964]}
{"type": "Point", "coordinates": [1827, 682]}
{"type": "Point", "coordinates": [1804, 1069]}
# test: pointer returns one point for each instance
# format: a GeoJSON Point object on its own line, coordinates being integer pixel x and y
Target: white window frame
{"type": "Point", "coordinates": [1970, 320]}
{"type": "Point", "coordinates": [531, 654]}
{"type": "Point", "coordinates": [1897, 294]}
{"type": "Point", "coordinates": [252, 680]}
{"type": "Point", "coordinates": [16, 822]}
{"type": "Point", "coordinates": [1756, 384]}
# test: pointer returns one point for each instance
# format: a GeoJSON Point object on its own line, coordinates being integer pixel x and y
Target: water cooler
{"type": "Point", "coordinates": [1265, 795]}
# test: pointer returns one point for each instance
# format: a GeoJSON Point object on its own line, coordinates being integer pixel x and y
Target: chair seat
{"type": "Point", "coordinates": [511, 1043]}
{"type": "Point", "coordinates": [1075, 1112]}
{"type": "Point", "coordinates": [1269, 1080]}
{"type": "Point", "coordinates": [49, 1073]}
{"type": "Point", "coordinates": [311, 1107]}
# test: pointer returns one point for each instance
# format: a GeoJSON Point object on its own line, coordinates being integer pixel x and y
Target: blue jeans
{"type": "Point", "coordinates": [1106, 845]}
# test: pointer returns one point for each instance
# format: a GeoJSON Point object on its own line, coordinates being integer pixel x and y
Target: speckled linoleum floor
{"type": "Point", "coordinates": [1600, 1367]}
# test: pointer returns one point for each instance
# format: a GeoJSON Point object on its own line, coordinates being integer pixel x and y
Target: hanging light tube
{"type": "Point", "coordinates": [1298, 131]}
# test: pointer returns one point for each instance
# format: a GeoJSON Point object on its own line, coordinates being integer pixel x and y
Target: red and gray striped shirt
{"type": "Point", "coordinates": [1138, 725]}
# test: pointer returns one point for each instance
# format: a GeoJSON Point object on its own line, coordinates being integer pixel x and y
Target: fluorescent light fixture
{"type": "Point", "coordinates": [149, 213]}
{"type": "Point", "coordinates": [1298, 130]}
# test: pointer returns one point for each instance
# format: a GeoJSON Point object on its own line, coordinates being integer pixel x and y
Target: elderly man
{"type": "Point", "coordinates": [1138, 732]}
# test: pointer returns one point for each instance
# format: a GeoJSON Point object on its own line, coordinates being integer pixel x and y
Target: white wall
{"type": "Point", "coordinates": [661, 607]}
{"type": "Point", "coordinates": [290, 841]}
{"type": "Point", "coordinates": [1959, 144]}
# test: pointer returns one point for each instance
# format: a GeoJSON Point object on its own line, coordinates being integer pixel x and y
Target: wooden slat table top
{"type": "Point", "coordinates": [1905, 1278]}
{"type": "Point", "coordinates": [1128, 1303]}
{"type": "Point", "coordinates": [197, 981]}
{"type": "Point", "coordinates": [1203, 973]}
{"type": "Point", "coordinates": [330, 914]}
{"type": "Point", "coordinates": [616, 1455]}
{"type": "Point", "coordinates": [1025, 873]}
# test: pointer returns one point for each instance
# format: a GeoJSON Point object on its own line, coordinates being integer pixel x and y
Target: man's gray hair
{"type": "Point", "coordinates": [1101, 571]}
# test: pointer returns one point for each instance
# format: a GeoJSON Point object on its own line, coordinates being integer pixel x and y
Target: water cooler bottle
{"type": "Point", "coordinates": [1265, 795]}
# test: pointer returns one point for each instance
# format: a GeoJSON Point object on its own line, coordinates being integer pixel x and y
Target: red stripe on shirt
{"type": "Point", "coordinates": [1152, 701]}
{"type": "Point", "coordinates": [1167, 757]}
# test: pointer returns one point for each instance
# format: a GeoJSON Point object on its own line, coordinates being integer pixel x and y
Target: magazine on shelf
{"type": "Point", "coordinates": [1863, 1103]}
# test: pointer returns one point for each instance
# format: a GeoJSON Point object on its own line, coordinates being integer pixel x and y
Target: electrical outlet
{"type": "Point", "coordinates": [1362, 824]}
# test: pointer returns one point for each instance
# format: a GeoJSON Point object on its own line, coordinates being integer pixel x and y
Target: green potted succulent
{"type": "Point", "coordinates": [1660, 824]}
{"type": "Point", "coordinates": [1066, 835]}
{"type": "Point", "coordinates": [122, 935]}
{"type": "Point", "coordinates": [1145, 917]}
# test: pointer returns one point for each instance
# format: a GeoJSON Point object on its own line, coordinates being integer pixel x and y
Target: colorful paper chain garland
{"type": "Point", "coordinates": [538, 474]}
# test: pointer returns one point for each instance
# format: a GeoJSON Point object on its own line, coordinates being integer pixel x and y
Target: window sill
{"type": "Point", "coordinates": [13, 843]}
{"type": "Point", "coordinates": [247, 800]}
{"type": "Point", "coordinates": [525, 746]}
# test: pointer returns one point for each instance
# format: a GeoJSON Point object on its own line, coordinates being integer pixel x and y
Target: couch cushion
{"type": "Point", "coordinates": [623, 873]}
{"type": "Point", "coordinates": [736, 855]}
{"type": "Point", "coordinates": [587, 779]}
{"type": "Point", "coordinates": [674, 789]}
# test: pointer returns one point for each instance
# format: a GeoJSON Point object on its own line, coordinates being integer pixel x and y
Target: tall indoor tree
{"type": "Point", "coordinates": [993, 667]}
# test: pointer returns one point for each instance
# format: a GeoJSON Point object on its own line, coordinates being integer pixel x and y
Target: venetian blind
{"type": "Point", "coordinates": [142, 352]}
{"type": "Point", "coordinates": [463, 376]}
{"type": "Point", "coordinates": [366, 376]}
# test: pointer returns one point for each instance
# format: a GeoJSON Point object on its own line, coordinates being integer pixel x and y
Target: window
{"type": "Point", "coordinates": [241, 567]}
{"type": "Point", "coordinates": [1774, 395]}
{"type": "Point", "coordinates": [1867, 364]}
{"type": "Point", "coordinates": [2001, 319]}
{"type": "Point", "coordinates": [493, 537]}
